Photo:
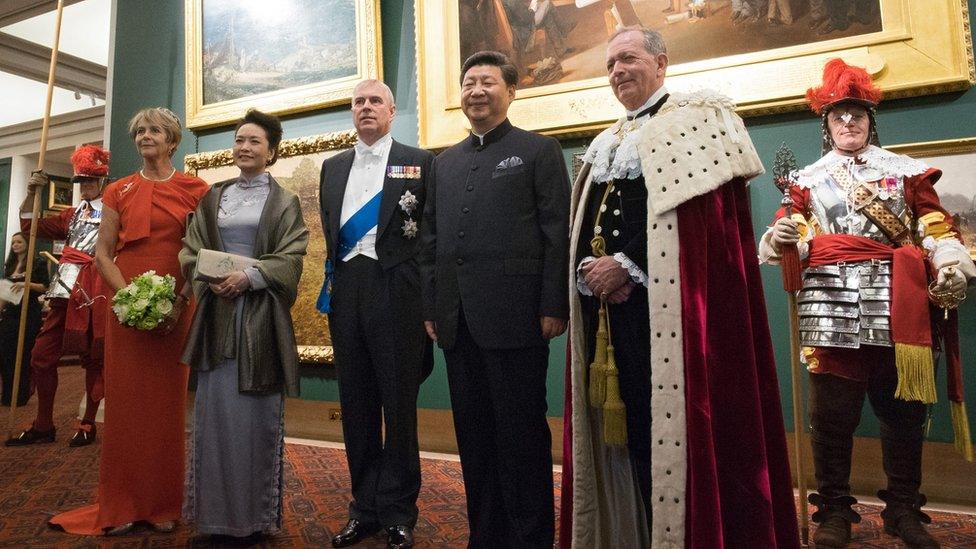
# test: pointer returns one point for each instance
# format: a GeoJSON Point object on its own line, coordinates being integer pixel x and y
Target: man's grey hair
{"type": "Point", "coordinates": [382, 84]}
{"type": "Point", "coordinates": [653, 41]}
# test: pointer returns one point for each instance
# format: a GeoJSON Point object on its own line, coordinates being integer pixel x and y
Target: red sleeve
{"type": "Point", "coordinates": [51, 228]}
{"type": "Point", "coordinates": [801, 202]}
{"type": "Point", "coordinates": [922, 199]}
{"type": "Point", "coordinates": [110, 196]}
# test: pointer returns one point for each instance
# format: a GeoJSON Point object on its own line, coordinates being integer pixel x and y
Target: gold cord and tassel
{"type": "Point", "coordinates": [598, 368]}
{"type": "Point", "coordinates": [604, 376]}
{"type": "Point", "coordinates": [960, 430]}
{"type": "Point", "coordinates": [916, 373]}
{"type": "Point", "coordinates": [614, 411]}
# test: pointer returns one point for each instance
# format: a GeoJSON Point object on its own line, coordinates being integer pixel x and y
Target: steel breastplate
{"type": "Point", "coordinates": [82, 234]}
{"type": "Point", "coordinates": [830, 206]}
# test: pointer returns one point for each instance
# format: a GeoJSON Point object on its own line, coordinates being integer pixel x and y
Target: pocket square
{"type": "Point", "coordinates": [510, 162]}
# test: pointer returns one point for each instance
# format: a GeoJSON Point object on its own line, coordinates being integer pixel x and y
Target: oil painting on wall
{"type": "Point", "coordinates": [282, 56]}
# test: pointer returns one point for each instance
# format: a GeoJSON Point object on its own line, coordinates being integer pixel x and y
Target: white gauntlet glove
{"type": "Point", "coordinates": [784, 232]}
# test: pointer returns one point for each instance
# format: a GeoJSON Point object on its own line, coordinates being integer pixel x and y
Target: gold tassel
{"type": "Point", "coordinates": [916, 373]}
{"type": "Point", "coordinates": [960, 430]}
{"type": "Point", "coordinates": [598, 369]}
{"type": "Point", "coordinates": [614, 412]}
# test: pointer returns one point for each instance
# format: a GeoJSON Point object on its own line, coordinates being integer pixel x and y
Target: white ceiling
{"type": "Point", "coordinates": [84, 33]}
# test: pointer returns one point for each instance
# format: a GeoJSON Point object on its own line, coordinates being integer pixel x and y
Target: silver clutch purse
{"type": "Point", "coordinates": [214, 266]}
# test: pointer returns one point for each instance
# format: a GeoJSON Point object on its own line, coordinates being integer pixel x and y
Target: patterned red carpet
{"type": "Point", "coordinates": [37, 482]}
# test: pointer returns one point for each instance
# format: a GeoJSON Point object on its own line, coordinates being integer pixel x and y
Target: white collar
{"type": "Point", "coordinates": [376, 149]}
{"type": "Point", "coordinates": [655, 97]}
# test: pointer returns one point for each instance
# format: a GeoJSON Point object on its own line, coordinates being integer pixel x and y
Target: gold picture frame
{"type": "Point", "coordinates": [60, 193]}
{"type": "Point", "coordinates": [297, 169]}
{"type": "Point", "coordinates": [221, 73]}
{"type": "Point", "coordinates": [956, 189]}
{"type": "Point", "coordinates": [922, 48]}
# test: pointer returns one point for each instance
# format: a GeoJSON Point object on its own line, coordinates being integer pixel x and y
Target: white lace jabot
{"type": "Point", "coordinates": [615, 158]}
{"type": "Point", "coordinates": [886, 162]}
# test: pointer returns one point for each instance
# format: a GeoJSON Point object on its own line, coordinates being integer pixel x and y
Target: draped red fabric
{"type": "Point", "coordinates": [81, 317]}
{"type": "Point", "coordinates": [566, 497]}
{"type": "Point", "coordinates": [909, 296]}
{"type": "Point", "coordinates": [739, 486]}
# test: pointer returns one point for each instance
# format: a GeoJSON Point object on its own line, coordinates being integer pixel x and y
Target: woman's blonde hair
{"type": "Point", "coordinates": [162, 117]}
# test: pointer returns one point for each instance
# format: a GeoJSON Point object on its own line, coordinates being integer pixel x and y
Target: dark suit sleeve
{"type": "Point", "coordinates": [636, 249]}
{"type": "Point", "coordinates": [552, 202]}
{"type": "Point", "coordinates": [427, 258]}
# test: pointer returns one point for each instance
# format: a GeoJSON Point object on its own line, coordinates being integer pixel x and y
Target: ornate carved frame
{"type": "Point", "coordinates": [924, 48]}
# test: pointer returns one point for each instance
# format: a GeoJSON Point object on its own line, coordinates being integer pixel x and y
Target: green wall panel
{"type": "Point", "coordinates": [149, 71]}
{"type": "Point", "coordinates": [4, 198]}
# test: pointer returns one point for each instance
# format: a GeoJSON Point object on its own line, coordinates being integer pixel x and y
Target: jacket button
{"type": "Point", "coordinates": [460, 261]}
{"type": "Point", "coordinates": [465, 210]}
{"type": "Point", "coordinates": [470, 188]}
{"type": "Point", "coordinates": [474, 168]}
{"type": "Point", "coordinates": [460, 234]}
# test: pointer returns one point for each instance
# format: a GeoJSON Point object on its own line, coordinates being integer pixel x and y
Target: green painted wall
{"type": "Point", "coordinates": [4, 198]}
{"type": "Point", "coordinates": [149, 71]}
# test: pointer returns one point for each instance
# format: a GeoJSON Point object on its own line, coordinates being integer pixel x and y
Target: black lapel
{"type": "Point", "coordinates": [391, 188]}
{"type": "Point", "coordinates": [336, 183]}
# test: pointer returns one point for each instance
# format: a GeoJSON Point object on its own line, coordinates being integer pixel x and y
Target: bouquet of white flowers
{"type": "Point", "coordinates": [146, 301]}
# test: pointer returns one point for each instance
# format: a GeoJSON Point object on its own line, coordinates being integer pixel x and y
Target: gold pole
{"type": "Point", "coordinates": [32, 241]}
{"type": "Point", "coordinates": [798, 414]}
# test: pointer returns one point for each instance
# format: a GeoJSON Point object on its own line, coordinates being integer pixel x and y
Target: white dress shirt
{"type": "Point", "coordinates": [365, 180]}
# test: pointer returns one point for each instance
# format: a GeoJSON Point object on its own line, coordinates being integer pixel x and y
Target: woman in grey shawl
{"type": "Point", "coordinates": [241, 343]}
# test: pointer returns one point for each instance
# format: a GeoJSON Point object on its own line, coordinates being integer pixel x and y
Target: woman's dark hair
{"type": "Point", "coordinates": [495, 59]}
{"type": "Point", "coordinates": [271, 126]}
{"type": "Point", "coordinates": [11, 264]}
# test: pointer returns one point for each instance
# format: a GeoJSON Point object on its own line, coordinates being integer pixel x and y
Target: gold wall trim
{"type": "Point", "coordinates": [289, 147]}
{"type": "Point", "coordinates": [943, 147]}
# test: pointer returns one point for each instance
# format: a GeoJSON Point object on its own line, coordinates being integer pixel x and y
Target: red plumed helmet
{"type": "Point", "coordinates": [90, 161]}
{"type": "Point", "coordinates": [843, 83]}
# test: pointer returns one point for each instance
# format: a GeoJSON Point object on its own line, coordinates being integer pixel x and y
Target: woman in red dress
{"type": "Point", "coordinates": [143, 222]}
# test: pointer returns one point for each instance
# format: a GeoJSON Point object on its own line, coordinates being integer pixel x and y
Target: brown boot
{"type": "Point", "coordinates": [904, 519]}
{"type": "Point", "coordinates": [834, 517]}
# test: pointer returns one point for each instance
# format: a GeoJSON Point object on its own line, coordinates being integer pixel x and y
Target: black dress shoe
{"type": "Point", "coordinates": [31, 435]}
{"type": "Point", "coordinates": [354, 532]}
{"type": "Point", "coordinates": [84, 436]}
{"type": "Point", "coordinates": [401, 537]}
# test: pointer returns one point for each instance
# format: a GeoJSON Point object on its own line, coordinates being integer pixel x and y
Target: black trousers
{"type": "Point", "coordinates": [498, 397]}
{"type": "Point", "coordinates": [835, 412]}
{"type": "Point", "coordinates": [631, 338]}
{"type": "Point", "coordinates": [382, 355]}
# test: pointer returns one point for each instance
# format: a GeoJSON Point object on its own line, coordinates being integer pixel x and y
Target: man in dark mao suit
{"type": "Point", "coordinates": [372, 198]}
{"type": "Point", "coordinates": [495, 246]}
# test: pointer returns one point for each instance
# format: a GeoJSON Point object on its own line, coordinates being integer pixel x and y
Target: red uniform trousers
{"type": "Point", "coordinates": [47, 352]}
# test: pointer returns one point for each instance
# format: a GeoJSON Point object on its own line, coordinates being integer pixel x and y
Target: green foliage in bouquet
{"type": "Point", "coordinates": [146, 301]}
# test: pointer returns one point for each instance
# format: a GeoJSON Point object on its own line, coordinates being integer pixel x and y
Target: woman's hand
{"type": "Point", "coordinates": [232, 286]}
{"type": "Point", "coordinates": [173, 318]}
{"type": "Point", "coordinates": [17, 286]}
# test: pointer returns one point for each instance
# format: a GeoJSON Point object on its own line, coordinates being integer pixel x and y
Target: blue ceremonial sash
{"type": "Point", "coordinates": [358, 225]}
{"type": "Point", "coordinates": [324, 302]}
{"type": "Point", "coordinates": [350, 233]}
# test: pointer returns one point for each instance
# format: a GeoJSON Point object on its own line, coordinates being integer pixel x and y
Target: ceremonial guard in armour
{"type": "Point", "coordinates": [869, 229]}
{"type": "Point", "coordinates": [76, 322]}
